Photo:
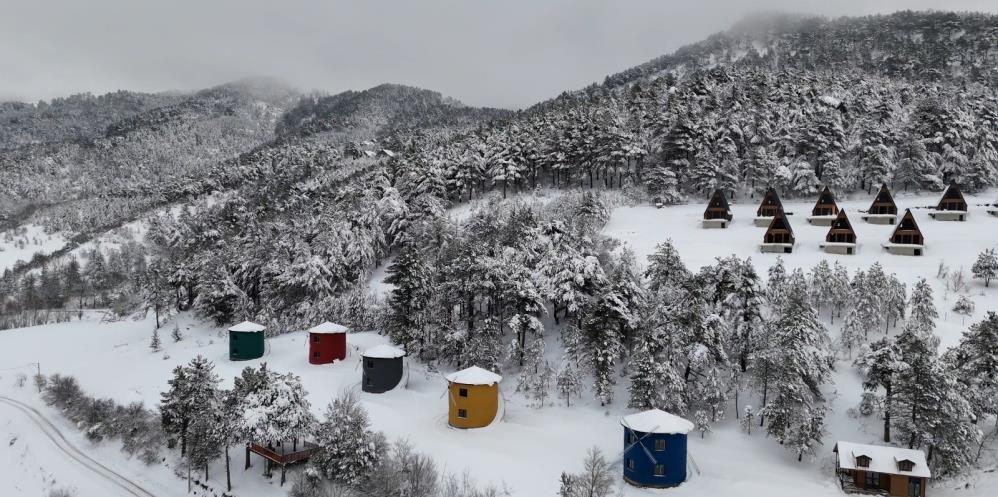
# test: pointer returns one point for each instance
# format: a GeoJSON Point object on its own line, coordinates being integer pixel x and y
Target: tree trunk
{"type": "Point", "coordinates": [228, 472]}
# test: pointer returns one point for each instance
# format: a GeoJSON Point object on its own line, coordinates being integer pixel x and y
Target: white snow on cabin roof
{"type": "Point", "coordinates": [474, 376]}
{"type": "Point", "coordinates": [248, 326]}
{"type": "Point", "coordinates": [883, 459]}
{"type": "Point", "coordinates": [328, 328]}
{"type": "Point", "coordinates": [657, 421]}
{"type": "Point", "coordinates": [383, 352]}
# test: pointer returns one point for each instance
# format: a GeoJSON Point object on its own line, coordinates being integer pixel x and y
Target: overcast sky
{"type": "Point", "coordinates": [503, 53]}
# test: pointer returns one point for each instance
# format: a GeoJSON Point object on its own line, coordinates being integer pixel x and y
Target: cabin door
{"type": "Point", "coordinates": [914, 487]}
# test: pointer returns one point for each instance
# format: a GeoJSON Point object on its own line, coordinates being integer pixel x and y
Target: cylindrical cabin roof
{"type": "Point", "coordinates": [248, 327]}
{"type": "Point", "coordinates": [657, 421]}
{"type": "Point", "coordinates": [383, 352]}
{"type": "Point", "coordinates": [328, 328]}
{"type": "Point", "coordinates": [474, 376]}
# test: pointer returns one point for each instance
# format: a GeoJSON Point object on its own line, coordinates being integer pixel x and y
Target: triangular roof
{"type": "Point", "coordinates": [718, 200]}
{"type": "Point", "coordinates": [474, 376]}
{"type": "Point", "coordinates": [825, 198]}
{"type": "Point", "coordinates": [657, 421]}
{"type": "Point", "coordinates": [841, 222]}
{"type": "Point", "coordinates": [248, 327]}
{"type": "Point", "coordinates": [952, 193]}
{"type": "Point", "coordinates": [328, 328]}
{"type": "Point", "coordinates": [907, 223]}
{"type": "Point", "coordinates": [884, 196]}
{"type": "Point", "coordinates": [771, 198]}
{"type": "Point", "coordinates": [780, 221]}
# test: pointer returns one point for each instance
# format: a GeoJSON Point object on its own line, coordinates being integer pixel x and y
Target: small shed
{"type": "Point", "coordinates": [907, 238]}
{"type": "Point", "coordinates": [247, 340]}
{"type": "Point", "coordinates": [779, 238]}
{"type": "Point", "coordinates": [952, 207]}
{"type": "Point", "coordinates": [883, 210]}
{"type": "Point", "coordinates": [825, 209]}
{"type": "Point", "coordinates": [327, 342]}
{"type": "Point", "coordinates": [383, 368]}
{"type": "Point", "coordinates": [880, 470]}
{"type": "Point", "coordinates": [473, 397]}
{"type": "Point", "coordinates": [770, 206]}
{"type": "Point", "coordinates": [718, 213]}
{"type": "Point", "coordinates": [655, 449]}
{"type": "Point", "coordinates": [841, 238]}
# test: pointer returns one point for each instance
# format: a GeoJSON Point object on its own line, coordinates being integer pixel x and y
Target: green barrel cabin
{"type": "Point", "coordinates": [247, 340]}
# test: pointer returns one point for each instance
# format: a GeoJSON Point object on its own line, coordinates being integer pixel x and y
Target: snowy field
{"type": "Point", "coordinates": [530, 447]}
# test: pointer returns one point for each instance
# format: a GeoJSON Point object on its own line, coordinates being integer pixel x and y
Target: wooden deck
{"type": "Point", "coordinates": [279, 456]}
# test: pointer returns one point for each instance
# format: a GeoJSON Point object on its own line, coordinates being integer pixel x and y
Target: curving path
{"type": "Point", "coordinates": [71, 451]}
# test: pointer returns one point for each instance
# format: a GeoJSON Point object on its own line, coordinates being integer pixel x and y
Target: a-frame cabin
{"type": "Point", "coordinates": [952, 207]}
{"type": "Point", "coordinates": [825, 209]}
{"type": "Point", "coordinates": [841, 238]}
{"type": "Point", "coordinates": [718, 212]}
{"type": "Point", "coordinates": [907, 238]}
{"type": "Point", "coordinates": [770, 206]}
{"type": "Point", "coordinates": [883, 210]}
{"type": "Point", "coordinates": [779, 236]}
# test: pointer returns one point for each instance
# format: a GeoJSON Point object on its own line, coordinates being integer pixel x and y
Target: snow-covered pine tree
{"type": "Point", "coordinates": [879, 363]}
{"type": "Point", "coordinates": [350, 449]}
{"type": "Point", "coordinates": [409, 299]}
{"type": "Point", "coordinates": [802, 361]}
{"type": "Point", "coordinates": [933, 412]}
{"type": "Point", "coordinates": [986, 266]}
{"type": "Point", "coordinates": [975, 362]}
{"type": "Point", "coordinates": [192, 387]}
{"type": "Point", "coordinates": [747, 420]}
{"type": "Point", "coordinates": [922, 312]}
{"type": "Point", "coordinates": [665, 268]}
{"type": "Point", "coordinates": [568, 383]}
{"type": "Point", "coordinates": [277, 411]}
{"type": "Point", "coordinates": [154, 343]}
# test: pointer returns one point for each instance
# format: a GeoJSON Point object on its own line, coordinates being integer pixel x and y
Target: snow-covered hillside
{"type": "Point", "coordinates": [530, 447]}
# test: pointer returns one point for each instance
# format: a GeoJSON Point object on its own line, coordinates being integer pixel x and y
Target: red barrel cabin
{"type": "Point", "coordinates": [327, 342]}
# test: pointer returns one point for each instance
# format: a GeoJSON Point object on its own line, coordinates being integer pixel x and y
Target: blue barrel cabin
{"type": "Point", "coordinates": [655, 449]}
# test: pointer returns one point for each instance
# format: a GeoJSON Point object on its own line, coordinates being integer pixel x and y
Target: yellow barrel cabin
{"type": "Point", "coordinates": [473, 397]}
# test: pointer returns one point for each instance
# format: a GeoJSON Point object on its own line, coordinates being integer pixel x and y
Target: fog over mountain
{"type": "Point", "coordinates": [499, 54]}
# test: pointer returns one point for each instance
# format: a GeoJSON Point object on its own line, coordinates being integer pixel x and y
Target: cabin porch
{"type": "Point", "coordinates": [823, 220]}
{"type": "Point", "coordinates": [948, 215]}
{"type": "Point", "coordinates": [282, 455]}
{"type": "Point", "coordinates": [716, 223]}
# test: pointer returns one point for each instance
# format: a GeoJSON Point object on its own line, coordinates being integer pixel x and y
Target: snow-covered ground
{"type": "Point", "coordinates": [22, 243]}
{"type": "Point", "coordinates": [530, 447]}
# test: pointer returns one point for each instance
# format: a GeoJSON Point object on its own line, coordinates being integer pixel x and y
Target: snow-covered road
{"type": "Point", "coordinates": [74, 453]}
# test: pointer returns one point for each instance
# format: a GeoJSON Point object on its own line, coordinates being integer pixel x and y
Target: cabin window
{"type": "Point", "coordinates": [872, 479]}
{"type": "Point", "coordinates": [462, 413]}
{"type": "Point", "coordinates": [863, 462]}
{"type": "Point", "coordinates": [315, 355]}
{"type": "Point", "coordinates": [914, 487]}
{"type": "Point", "coordinates": [660, 444]}
{"type": "Point", "coordinates": [632, 438]}
{"type": "Point", "coordinates": [630, 464]}
{"type": "Point", "coordinates": [463, 392]}
{"type": "Point", "coordinates": [370, 364]}
{"type": "Point", "coordinates": [659, 470]}
{"type": "Point", "coordinates": [315, 338]}
{"type": "Point", "coordinates": [369, 381]}
{"type": "Point", "coordinates": [905, 465]}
